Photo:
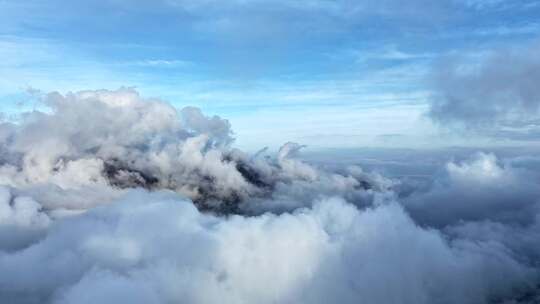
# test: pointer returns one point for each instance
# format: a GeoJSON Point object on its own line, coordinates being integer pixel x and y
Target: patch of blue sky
{"type": "Point", "coordinates": [244, 59]}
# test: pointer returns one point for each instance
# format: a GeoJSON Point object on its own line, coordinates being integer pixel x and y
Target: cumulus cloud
{"type": "Point", "coordinates": [480, 189]}
{"type": "Point", "coordinates": [484, 199]}
{"type": "Point", "coordinates": [498, 96]}
{"type": "Point", "coordinates": [95, 144]}
{"type": "Point", "coordinates": [158, 248]}
{"type": "Point", "coordinates": [110, 197]}
{"type": "Point", "coordinates": [22, 220]}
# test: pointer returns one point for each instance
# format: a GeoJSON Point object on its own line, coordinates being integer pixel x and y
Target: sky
{"type": "Point", "coordinates": [250, 151]}
{"type": "Point", "coordinates": [335, 74]}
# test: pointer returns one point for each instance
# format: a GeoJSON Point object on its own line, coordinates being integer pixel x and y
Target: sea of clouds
{"type": "Point", "coordinates": [108, 197]}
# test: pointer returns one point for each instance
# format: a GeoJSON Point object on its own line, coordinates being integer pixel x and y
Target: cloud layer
{"type": "Point", "coordinates": [110, 197]}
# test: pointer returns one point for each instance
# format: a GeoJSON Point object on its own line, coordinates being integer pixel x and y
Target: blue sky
{"type": "Point", "coordinates": [324, 73]}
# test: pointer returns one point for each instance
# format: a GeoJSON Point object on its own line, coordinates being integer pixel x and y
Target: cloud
{"type": "Point", "coordinates": [128, 199]}
{"type": "Point", "coordinates": [275, 21]}
{"type": "Point", "coordinates": [22, 220]}
{"type": "Point", "coordinates": [498, 95]}
{"type": "Point", "coordinates": [482, 188]}
{"type": "Point", "coordinates": [159, 63]}
{"type": "Point", "coordinates": [158, 248]}
{"type": "Point", "coordinates": [101, 142]}
{"type": "Point", "coordinates": [483, 199]}
{"type": "Point", "coordinates": [498, 4]}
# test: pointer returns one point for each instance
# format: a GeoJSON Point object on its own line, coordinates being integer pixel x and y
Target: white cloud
{"type": "Point", "coordinates": [125, 198]}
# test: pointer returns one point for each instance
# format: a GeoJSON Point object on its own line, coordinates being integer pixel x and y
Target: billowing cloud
{"type": "Point", "coordinates": [158, 248]}
{"type": "Point", "coordinates": [482, 188]}
{"type": "Point", "coordinates": [102, 142]}
{"type": "Point", "coordinates": [110, 197]}
{"type": "Point", "coordinates": [484, 199]}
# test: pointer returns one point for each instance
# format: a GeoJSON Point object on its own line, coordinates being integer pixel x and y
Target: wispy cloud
{"type": "Point", "coordinates": [159, 63]}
